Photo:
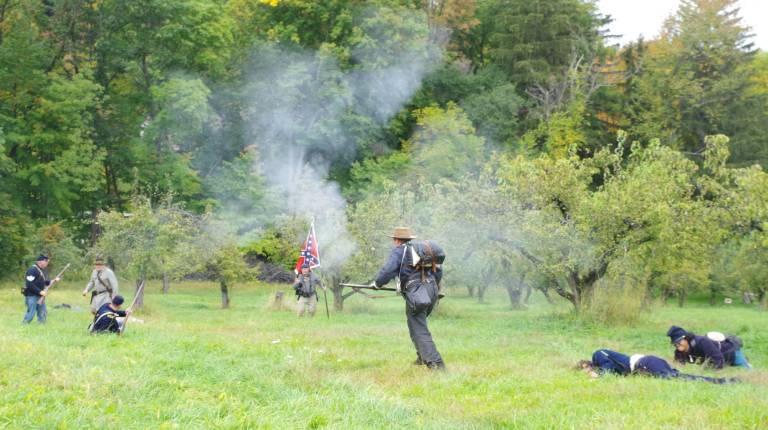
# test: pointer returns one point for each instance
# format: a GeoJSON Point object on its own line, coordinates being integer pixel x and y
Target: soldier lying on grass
{"type": "Point", "coordinates": [607, 361]}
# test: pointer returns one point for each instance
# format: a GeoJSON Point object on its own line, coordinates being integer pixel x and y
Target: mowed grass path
{"type": "Point", "coordinates": [194, 365]}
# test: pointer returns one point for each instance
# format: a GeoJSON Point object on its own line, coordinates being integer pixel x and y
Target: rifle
{"type": "Point", "coordinates": [130, 308]}
{"type": "Point", "coordinates": [368, 287]}
{"type": "Point", "coordinates": [41, 300]}
{"type": "Point", "coordinates": [365, 287]}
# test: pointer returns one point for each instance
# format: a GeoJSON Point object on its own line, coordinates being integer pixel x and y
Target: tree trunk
{"type": "Point", "coordinates": [471, 290]}
{"type": "Point", "coordinates": [528, 291]}
{"type": "Point", "coordinates": [666, 293]}
{"type": "Point", "coordinates": [746, 297]}
{"type": "Point", "coordinates": [166, 283]}
{"type": "Point", "coordinates": [545, 291]}
{"type": "Point", "coordinates": [486, 280]}
{"type": "Point", "coordinates": [224, 294]}
{"type": "Point", "coordinates": [681, 298]}
{"type": "Point", "coordinates": [95, 228]}
{"type": "Point", "coordinates": [481, 293]}
{"type": "Point", "coordinates": [338, 292]}
{"type": "Point", "coordinates": [338, 298]}
{"type": "Point", "coordinates": [763, 299]}
{"type": "Point", "coordinates": [647, 297]}
{"type": "Point", "coordinates": [515, 292]}
{"type": "Point", "coordinates": [139, 300]}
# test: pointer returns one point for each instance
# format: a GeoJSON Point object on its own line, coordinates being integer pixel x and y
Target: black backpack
{"type": "Point", "coordinates": [735, 341]}
{"type": "Point", "coordinates": [429, 254]}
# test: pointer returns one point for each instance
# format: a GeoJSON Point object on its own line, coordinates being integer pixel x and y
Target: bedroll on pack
{"type": "Point", "coordinates": [718, 337]}
{"type": "Point", "coordinates": [425, 253]}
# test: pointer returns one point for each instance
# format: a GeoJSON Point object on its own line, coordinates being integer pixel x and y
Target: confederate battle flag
{"type": "Point", "coordinates": [309, 252]}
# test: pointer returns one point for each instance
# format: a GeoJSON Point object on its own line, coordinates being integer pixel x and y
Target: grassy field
{"type": "Point", "coordinates": [194, 365]}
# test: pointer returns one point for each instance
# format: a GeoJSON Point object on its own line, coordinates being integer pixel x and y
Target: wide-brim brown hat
{"type": "Point", "coordinates": [402, 233]}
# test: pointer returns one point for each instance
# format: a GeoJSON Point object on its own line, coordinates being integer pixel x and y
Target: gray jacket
{"type": "Point", "coordinates": [306, 286]}
{"type": "Point", "coordinates": [100, 284]}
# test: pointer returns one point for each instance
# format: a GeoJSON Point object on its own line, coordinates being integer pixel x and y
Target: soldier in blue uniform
{"type": "Point", "coordinates": [420, 290]}
{"type": "Point", "coordinates": [607, 361]}
{"type": "Point", "coordinates": [34, 288]}
{"type": "Point", "coordinates": [692, 349]}
{"type": "Point", "coordinates": [109, 318]}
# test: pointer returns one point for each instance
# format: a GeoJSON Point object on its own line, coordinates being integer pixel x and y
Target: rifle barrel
{"type": "Point", "coordinates": [63, 270]}
{"type": "Point", "coordinates": [41, 300]}
{"type": "Point", "coordinates": [366, 287]}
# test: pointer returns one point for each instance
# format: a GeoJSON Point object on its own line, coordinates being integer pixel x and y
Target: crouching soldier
{"type": "Point", "coordinates": [714, 350]}
{"type": "Point", "coordinates": [306, 290]}
{"type": "Point", "coordinates": [607, 361]}
{"type": "Point", "coordinates": [109, 318]}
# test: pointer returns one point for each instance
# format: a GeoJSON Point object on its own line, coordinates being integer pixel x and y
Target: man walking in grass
{"type": "Point", "coordinates": [419, 288]}
{"type": "Point", "coordinates": [102, 285]}
{"type": "Point", "coordinates": [34, 288]}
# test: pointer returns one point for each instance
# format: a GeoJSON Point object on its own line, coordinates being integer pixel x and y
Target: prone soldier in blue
{"type": "Point", "coordinates": [34, 288]}
{"type": "Point", "coordinates": [605, 361]}
{"type": "Point", "coordinates": [419, 287]}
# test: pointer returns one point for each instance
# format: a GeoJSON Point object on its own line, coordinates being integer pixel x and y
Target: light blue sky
{"type": "Point", "coordinates": [635, 17]}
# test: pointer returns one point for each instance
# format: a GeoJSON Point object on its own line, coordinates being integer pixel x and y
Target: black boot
{"type": "Point", "coordinates": [436, 365]}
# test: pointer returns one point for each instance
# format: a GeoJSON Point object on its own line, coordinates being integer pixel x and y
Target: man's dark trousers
{"type": "Point", "coordinates": [420, 299]}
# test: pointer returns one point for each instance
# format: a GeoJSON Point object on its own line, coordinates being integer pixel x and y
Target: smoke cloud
{"type": "Point", "coordinates": [306, 111]}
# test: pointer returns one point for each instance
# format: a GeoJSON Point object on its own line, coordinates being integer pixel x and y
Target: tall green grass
{"type": "Point", "coordinates": [194, 365]}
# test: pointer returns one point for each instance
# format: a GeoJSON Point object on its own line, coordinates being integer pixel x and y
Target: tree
{"type": "Point", "coordinates": [533, 40]}
{"type": "Point", "coordinates": [698, 81]}
{"type": "Point", "coordinates": [56, 242]}
{"type": "Point", "coordinates": [149, 241]}
{"type": "Point", "coordinates": [227, 265]}
{"type": "Point", "coordinates": [13, 229]}
{"type": "Point", "coordinates": [741, 195]}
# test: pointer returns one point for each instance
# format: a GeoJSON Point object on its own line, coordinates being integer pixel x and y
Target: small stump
{"type": "Point", "coordinates": [278, 303]}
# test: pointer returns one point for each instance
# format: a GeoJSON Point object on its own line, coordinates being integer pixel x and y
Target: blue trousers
{"type": "Point", "coordinates": [32, 307]}
{"type": "Point", "coordinates": [739, 359]}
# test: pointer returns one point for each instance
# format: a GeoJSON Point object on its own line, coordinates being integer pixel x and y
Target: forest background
{"type": "Point", "coordinates": [199, 138]}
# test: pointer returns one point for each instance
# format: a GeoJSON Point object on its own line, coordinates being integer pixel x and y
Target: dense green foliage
{"type": "Point", "coordinates": [173, 135]}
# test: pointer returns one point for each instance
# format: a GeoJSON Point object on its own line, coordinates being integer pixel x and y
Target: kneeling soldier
{"type": "Point", "coordinates": [109, 318]}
